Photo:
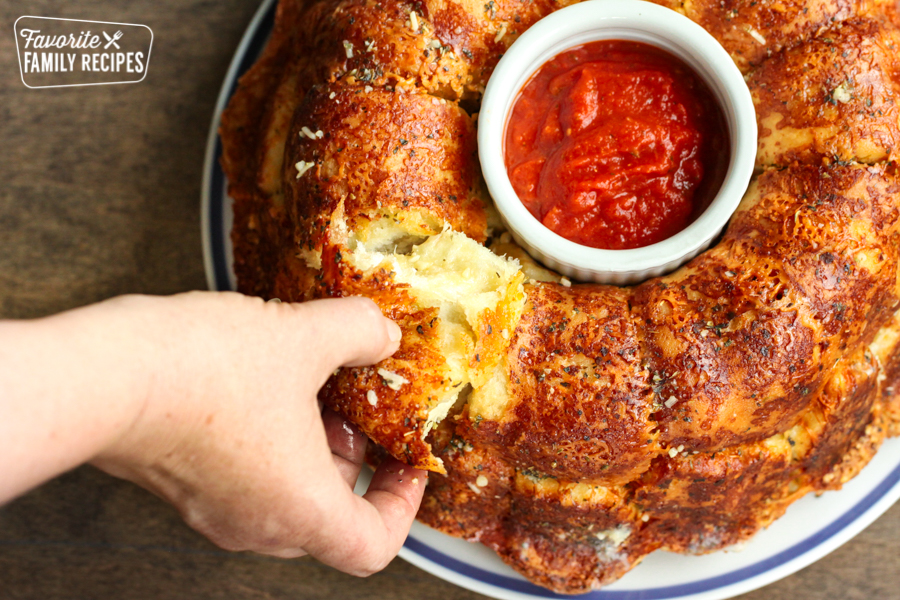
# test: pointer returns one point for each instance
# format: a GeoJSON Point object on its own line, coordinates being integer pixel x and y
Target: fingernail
{"type": "Point", "coordinates": [394, 331]}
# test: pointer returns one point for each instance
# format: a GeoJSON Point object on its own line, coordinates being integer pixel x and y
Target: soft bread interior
{"type": "Point", "coordinates": [465, 281]}
{"type": "Point", "coordinates": [491, 400]}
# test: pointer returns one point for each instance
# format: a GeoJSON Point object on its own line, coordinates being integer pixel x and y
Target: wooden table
{"type": "Point", "coordinates": [99, 196]}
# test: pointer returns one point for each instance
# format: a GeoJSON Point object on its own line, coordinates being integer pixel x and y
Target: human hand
{"type": "Point", "coordinates": [224, 422]}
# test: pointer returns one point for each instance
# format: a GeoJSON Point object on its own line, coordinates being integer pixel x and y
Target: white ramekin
{"type": "Point", "coordinates": [633, 20]}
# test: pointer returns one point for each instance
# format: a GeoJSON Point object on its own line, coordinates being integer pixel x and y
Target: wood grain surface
{"type": "Point", "coordinates": [99, 196]}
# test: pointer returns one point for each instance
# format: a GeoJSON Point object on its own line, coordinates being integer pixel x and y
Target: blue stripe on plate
{"type": "Point", "coordinates": [220, 266]}
{"type": "Point", "coordinates": [675, 591]}
{"type": "Point", "coordinates": [216, 222]}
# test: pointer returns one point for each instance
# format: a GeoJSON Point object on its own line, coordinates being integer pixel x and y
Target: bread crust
{"type": "Point", "coordinates": [585, 426]}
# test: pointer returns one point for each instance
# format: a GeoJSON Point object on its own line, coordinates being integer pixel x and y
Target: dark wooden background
{"type": "Point", "coordinates": [99, 196]}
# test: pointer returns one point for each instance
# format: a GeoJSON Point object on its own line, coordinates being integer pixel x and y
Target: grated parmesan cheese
{"type": "Point", "coordinates": [500, 33]}
{"type": "Point", "coordinates": [842, 93]}
{"type": "Point", "coordinates": [615, 536]}
{"type": "Point", "coordinates": [302, 167]}
{"type": "Point", "coordinates": [372, 397]}
{"type": "Point", "coordinates": [391, 379]}
{"type": "Point", "coordinates": [756, 36]}
{"type": "Point", "coordinates": [673, 452]}
{"type": "Point", "coordinates": [348, 48]}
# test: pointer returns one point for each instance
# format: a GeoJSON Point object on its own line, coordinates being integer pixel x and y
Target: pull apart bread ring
{"type": "Point", "coordinates": [575, 428]}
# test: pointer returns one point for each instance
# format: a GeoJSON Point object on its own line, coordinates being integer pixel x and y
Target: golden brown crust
{"type": "Point", "coordinates": [699, 503]}
{"type": "Point", "coordinates": [751, 30]}
{"type": "Point", "coordinates": [603, 423]}
{"type": "Point", "coordinates": [254, 126]}
{"type": "Point", "coordinates": [377, 152]}
{"type": "Point", "coordinates": [556, 533]}
{"type": "Point", "coordinates": [378, 45]}
{"type": "Point", "coordinates": [387, 415]}
{"type": "Point", "coordinates": [834, 98]}
{"type": "Point", "coordinates": [579, 398]}
{"type": "Point", "coordinates": [480, 31]}
{"type": "Point", "coordinates": [738, 336]}
{"type": "Point", "coordinates": [456, 503]}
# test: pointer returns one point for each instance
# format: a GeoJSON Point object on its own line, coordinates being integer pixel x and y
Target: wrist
{"type": "Point", "coordinates": [140, 331]}
{"type": "Point", "coordinates": [71, 385]}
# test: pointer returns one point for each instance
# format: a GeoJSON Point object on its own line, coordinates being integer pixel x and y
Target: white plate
{"type": "Point", "coordinates": [811, 528]}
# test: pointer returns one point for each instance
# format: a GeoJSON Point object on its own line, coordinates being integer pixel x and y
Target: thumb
{"type": "Point", "coordinates": [346, 332]}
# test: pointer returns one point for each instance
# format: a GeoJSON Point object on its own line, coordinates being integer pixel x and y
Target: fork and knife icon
{"type": "Point", "coordinates": [111, 41]}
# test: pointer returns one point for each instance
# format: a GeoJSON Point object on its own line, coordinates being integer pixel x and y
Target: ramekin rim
{"type": "Point", "coordinates": [598, 16]}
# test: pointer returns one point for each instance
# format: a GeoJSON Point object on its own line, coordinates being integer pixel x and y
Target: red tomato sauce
{"type": "Point", "coordinates": [616, 145]}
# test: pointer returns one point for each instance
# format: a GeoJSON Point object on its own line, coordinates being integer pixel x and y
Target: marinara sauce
{"type": "Point", "coordinates": [616, 144]}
